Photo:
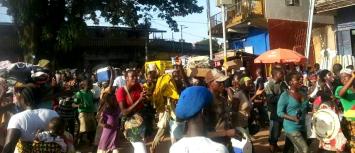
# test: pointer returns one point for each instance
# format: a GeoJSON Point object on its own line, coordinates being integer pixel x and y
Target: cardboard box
{"type": "Point", "coordinates": [197, 72]}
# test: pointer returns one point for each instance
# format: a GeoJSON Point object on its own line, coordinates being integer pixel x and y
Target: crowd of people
{"type": "Point", "coordinates": [59, 111]}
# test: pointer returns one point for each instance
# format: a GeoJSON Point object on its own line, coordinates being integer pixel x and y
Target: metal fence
{"type": "Point", "coordinates": [241, 8]}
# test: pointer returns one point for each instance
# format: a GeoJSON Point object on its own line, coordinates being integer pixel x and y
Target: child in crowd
{"type": "Point", "coordinates": [56, 133]}
{"type": "Point", "coordinates": [109, 120]}
{"type": "Point", "coordinates": [67, 112]}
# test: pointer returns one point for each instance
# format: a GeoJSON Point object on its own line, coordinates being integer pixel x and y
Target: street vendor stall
{"type": "Point", "coordinates": [279, 56]}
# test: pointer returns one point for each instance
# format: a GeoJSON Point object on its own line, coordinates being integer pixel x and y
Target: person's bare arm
{"type": "Point", "coordinates": [13, 135]}
{"type": "Point", "coordinates": [258, 92]}
{"type": "Point", "coordinates": [182, 73]}
{"type": "Point", "coordinates": [225, 133]}
{"type": "Point", "coordinates": [346, 86]}
{"type": "Point", "coordinates": [112, 78]}
{"type": "Point", "coordinates": [126, 111]}
{"type": "Point", "coordinates": [291, 118]}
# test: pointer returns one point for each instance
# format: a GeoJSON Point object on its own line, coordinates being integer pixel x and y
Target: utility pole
{"type": "Point", "coordinates": [309, 29]}
{"type": "Point", "coordinates": [224, 33]}
{"type": "Point", "coordinates": [181, 38]}
{"type": "Point", "coordinates": [209, 28]}
{"type": "Point", "coordinates": [146, 43]}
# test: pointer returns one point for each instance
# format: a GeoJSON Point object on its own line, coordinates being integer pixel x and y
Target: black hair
{"type": "Point", "coordinates": [322, 74]}
{"type": "Point", "coordinates": [86, 82]}
{"type": "Point", "coordinates": [337, 68]}
{"type": "Point", "coordinates": [351, 67]}
{"type": "Point", "coordinates": [237, 76]}
{"type": "Point", "coordinates": [129, 71]}
{"type": "Point", "coordinates": [29, 96]}
{"type": "Point", "coordinates": [276, 70]}
{"type": "Point", "coordinates": [292, 75]}
{"type": "Point", "coordinates": [57, 125]}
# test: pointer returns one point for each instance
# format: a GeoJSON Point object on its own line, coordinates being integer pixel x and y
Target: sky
{"type": "Point", "coordinates": [196, 24]}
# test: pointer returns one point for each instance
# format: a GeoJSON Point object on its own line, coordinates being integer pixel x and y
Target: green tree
{"type": "Point", "coordinates": [215, 44]}
{"type": "Point", "coordinates": [47, 27]}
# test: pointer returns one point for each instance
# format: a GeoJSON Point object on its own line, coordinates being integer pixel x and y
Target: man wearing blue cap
{"type": "Point", "coordinates": [190, 108]}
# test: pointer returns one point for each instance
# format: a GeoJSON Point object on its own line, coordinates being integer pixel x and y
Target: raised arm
{"type": "Point", "coordinates": [182, 72]}
{"type": "Point", "coordinates": [112, 78]}
{"type": "Point", "coordinates": [346, 86]}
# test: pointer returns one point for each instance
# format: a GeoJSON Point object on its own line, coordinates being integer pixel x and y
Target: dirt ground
{"type": "Point", "coordinates": [260, 142]}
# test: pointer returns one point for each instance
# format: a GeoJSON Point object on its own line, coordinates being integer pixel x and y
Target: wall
{"type": "Point", "coordinates": [323, 38]}
{"type": "Point", "coordinates": [257, 38]}
{"type": "Point", "coordinates": [9, 48]}
{"type": "Point", "coordinates": [344, 23]}
{"type": "Point", "coordinates": [345, 15]}
{"type": "Point", "coordinates": [289, 35]}
{"type": "Point", "coordinates": [277, 9]}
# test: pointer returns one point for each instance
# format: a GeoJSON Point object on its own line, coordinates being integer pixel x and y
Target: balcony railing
{"type": "Point", "coordinates": [216, 19]}
{"type": "Point", "coordinates": [329, 5]}
{"type": "Point", "coordinates": [239, 12]}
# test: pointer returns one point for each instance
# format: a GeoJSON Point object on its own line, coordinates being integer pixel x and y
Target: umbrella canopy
{"type": "Point", "coordinates": [280, 56]}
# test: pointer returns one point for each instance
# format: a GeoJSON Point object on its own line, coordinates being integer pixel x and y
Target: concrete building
{"type": "Point", "coordinates": [260, 25]}
{"type": "Point", "coordinates": [343, 12]}
{"type": "Point", "coordinates": [105, 45]}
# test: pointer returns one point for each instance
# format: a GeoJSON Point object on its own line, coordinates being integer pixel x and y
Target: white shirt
{"type": "Point", "coordinates": [197, 145]}
{"type": "Point", "coordinates": [29, 121]}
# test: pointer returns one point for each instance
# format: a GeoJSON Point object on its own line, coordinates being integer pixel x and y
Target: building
{"type": "Point", "coordinates": [105, 45]}
{"type": "Point", "coordinates": [343, 12]}
{"type": "Point", "coordinates": [260, 25]}
{"type": "Point", "coordinates": [9, 48]}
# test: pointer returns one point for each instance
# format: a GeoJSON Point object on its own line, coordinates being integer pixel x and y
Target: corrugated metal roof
{"type": "Point", "coordinates": [330, 5]}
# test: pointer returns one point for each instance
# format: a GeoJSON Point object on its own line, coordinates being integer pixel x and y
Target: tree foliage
{"type": "Point", "coordinates": [46, 27]}
{"type": "Point", "coordinates": [215, 45]}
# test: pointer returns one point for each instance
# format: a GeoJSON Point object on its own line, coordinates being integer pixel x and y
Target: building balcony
{"type": "Point", "coordinates": [242, 14]}
{"type": "Point", "coordinates": [324, 6]}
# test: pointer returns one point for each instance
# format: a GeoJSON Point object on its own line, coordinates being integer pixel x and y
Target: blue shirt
{"type": "Point", "coordinates": [290, 106]}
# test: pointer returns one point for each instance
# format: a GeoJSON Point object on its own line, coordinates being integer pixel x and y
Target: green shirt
{"type": "Point", "coordinates": [348, 100]}
{"type": "Point", "coordinates": [290, 106]}
{"type": "Point", "coordinates": [86, 101]}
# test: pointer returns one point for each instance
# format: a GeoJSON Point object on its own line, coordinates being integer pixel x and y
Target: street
{"type": "Point", "coordinates": [260, 142]}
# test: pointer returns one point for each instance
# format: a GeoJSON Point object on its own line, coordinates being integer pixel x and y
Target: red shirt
{"type": "Point", "coordinates": [122, 97]}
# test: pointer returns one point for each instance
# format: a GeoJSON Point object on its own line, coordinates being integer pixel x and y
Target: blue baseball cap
{"type": "Point", "coordinates": [192, 101]}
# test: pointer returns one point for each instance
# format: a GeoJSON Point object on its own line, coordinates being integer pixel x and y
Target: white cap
{"type": "Point", "coordinates": [346, 71]}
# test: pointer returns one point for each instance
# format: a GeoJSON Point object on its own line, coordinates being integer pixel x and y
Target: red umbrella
{"type": "Point", "coordinates": [280, 56]}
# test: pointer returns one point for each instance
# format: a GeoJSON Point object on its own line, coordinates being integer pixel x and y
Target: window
{"type": "Point", "coordinates": [344, 42]}
{"type": "Point", "coordinates": [292, 2]}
